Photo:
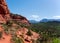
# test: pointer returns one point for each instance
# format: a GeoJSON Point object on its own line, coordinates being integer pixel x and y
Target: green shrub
{"type": "Point", "coordinates": [29, 33]}
{"type": "Point", "coordinates": [0, 34]}
{"type": "Point", "coordinates": [17, 40]}
{"type": "Point", "coordinates": [56, 40]}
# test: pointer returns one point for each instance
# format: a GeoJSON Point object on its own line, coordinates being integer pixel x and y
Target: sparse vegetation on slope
{"type": "Point", "coordinates": [16, 39]}
{"type": "Point", "coordinates": [29, 33]}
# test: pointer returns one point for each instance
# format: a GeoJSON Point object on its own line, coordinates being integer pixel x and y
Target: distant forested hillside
{"type": "Point", "coordinates": [47, 30]}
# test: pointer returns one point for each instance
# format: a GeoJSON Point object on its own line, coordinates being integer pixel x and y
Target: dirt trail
{"type": "Point", "coordinates": [5, 38]}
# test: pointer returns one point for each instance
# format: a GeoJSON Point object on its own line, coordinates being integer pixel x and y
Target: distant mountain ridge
{"type": "Point", "coordinates": [33, 21]}
{"type": "Point", "coordinates": [46, 20]}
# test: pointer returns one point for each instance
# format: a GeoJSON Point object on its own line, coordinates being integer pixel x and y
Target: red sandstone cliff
{"type": "Point", "coordinates": [14, 26]}
{"type": "Point", "coordinates": [4, 12]}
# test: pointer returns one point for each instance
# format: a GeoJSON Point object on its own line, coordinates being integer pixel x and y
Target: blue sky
{"type": "Point", "coordinates": [35, 9]}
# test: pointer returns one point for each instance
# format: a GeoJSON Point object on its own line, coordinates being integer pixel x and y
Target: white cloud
{"type": "Point", "coordinates": [56, 17]}
{"type": "Point", "coordinates": [35, 17]}
{"type": "Point", "coordinates": [45, 17]}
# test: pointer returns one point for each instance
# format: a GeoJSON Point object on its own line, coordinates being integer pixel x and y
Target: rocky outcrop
{"type": "Point", "coordinates": [13, 27]}
{"type": "Point", "coordinates": [4, 12]}
{"type": "Point", "coordinates": [19, 18]}
{"type": "Point", "coordinates": [27, 38]}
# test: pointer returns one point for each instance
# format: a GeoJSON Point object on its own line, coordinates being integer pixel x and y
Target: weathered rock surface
{"type": "Point", "coordinates": [19, 18]}
{"type": "Point", "coordinates": [4, 12]}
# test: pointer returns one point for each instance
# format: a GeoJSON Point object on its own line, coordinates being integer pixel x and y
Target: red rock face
{"type": "Point", "coordinates": [4, 16]}
{"type": "Point", "coordinates": [19, 18]}
{"type": "Point", "coordinates": [4, 12]}
{"type": "Point", "coordinates": [5, 38]}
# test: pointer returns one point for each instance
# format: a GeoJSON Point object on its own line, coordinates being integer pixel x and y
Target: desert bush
{"type": "Point", "coordinates": [56, 40]}
{"type": "Point", "coordinates": [0, 34]}
{"type": "Point", "coordinates": [29, 33]}
{"type": "Point", "coordinates": [15, 39]}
